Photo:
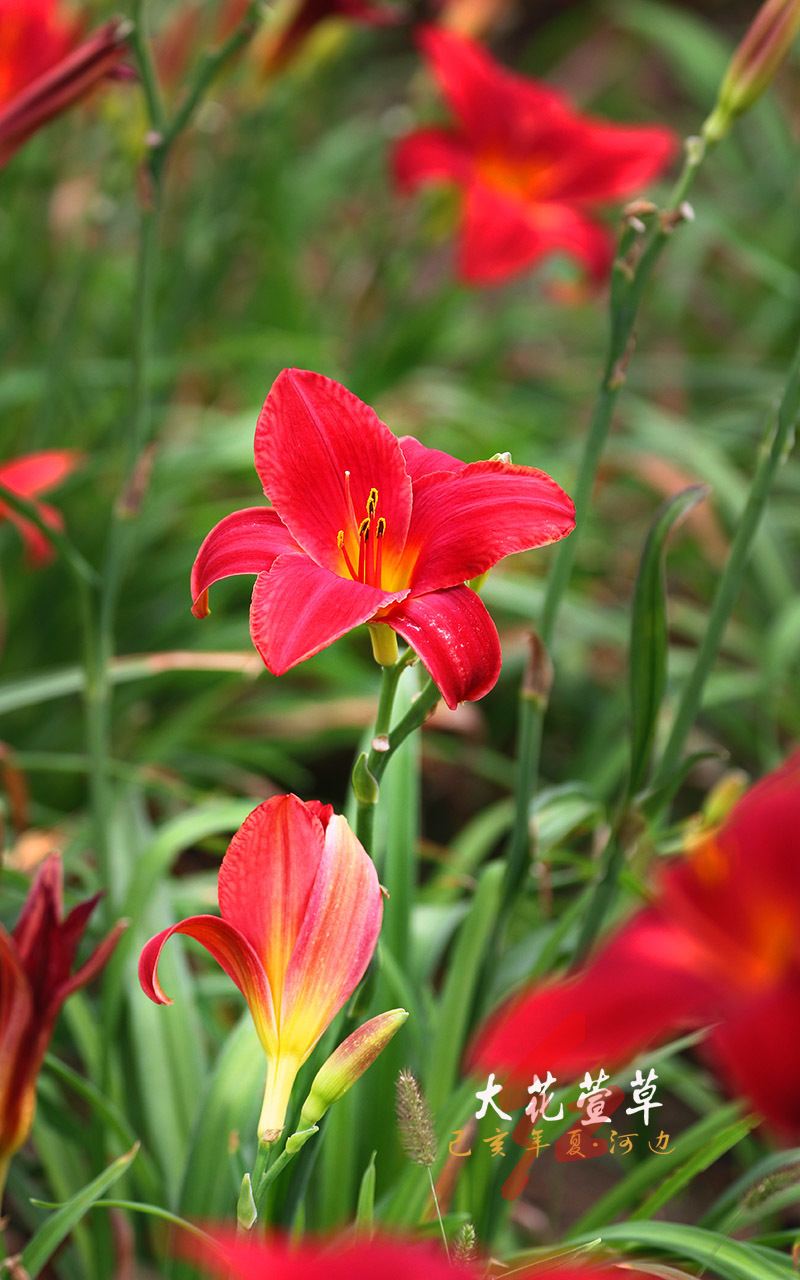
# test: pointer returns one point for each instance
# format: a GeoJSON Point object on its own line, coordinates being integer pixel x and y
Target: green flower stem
{"type": "Point", "coordinates": [266, 1169]}
{"type": "Point", "coordinates": [775, 447]}
{"type": "Point", "coordinates": [369, 767]}
{"type": "Point", "coordinates": [627, 287]}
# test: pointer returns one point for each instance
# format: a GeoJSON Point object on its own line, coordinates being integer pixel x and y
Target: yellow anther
{"type": "Point", "coordinates": [381, 529]}
{"type": "Point", "coordinates": [363, 529]}
{"type": "Point", "coordinates": [340, 539]}
{"type": "Point", "coordinates": [372, 503]}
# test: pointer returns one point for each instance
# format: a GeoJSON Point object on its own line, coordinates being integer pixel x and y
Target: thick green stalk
{"type": "Point", "coordinates": [628, 281]}
{"type": "Point", "coordinates": [369, 767]}
{"type": "Point", "coordinates": [773, 450]}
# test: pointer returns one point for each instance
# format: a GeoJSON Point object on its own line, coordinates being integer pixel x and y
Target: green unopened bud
{"type": "Point", "coordinates": [246, 1212]}
{"type": "Point", "coordinates": [347, 1063]}
{"type": "Point", "coordinates": [300, 1138]}
{"type": "Point", "coordinates": [365, 787]}
{"type": "Point", "coordinates": [505, 456]}
{"type": "Point", "coordinates": [754, 64]}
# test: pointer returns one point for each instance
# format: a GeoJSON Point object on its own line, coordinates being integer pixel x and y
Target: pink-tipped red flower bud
{"type": "Point", "coordinates": [347, 1063]}
{"type": "Point", "coordinates": [754, 64]}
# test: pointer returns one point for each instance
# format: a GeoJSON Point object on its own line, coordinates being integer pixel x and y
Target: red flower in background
{"type": "Point", "coordinates": [720, 946]}
{"type": "Point", "coordinates": [43, 68]}
{"type": "Point", "coordinates": [301, 913]}
{"type": "Point", "coordinates": [232, 1257]}
{"type": "Point", "coordinates": [368, 528]}
{"type": "Point", "coordinates": [531, 168]}
{"type": "Point", "coordinates": [28, 476]}
{"type": "Point", "coordinates": [35, 980]}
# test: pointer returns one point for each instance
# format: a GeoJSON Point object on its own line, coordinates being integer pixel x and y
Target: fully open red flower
{"type": "Point", "coordinates": [367, 528]}
{"type": "Point", "coordinates": [532, 170]}
{"type": "Point", "coordinates": [720, 945]}
{"type": "Point", "coordinates": [28, 476]}
{"type": "Point", "coordinates": [233, 1257]}
{"type": "Point", "coordinates": [43, 67]}
{"type": "Point", "coordinates": [35, 980]}
{"type": "Point", "coordinates": [301, 913]}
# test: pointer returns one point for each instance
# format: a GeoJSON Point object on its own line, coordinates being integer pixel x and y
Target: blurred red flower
{"type": "Point", "coordinates": [27, 476]}
{"type": "Point", "coordinates": [43, 67]}
{"type": "Point", "coordinates": [530, 167]}
{"type": "Point", "coordinates": [301, 913]}
{"type": "Point", "coordinates": [307, 14]}
{"type": "Point", "coordinates": [720, 946]}
{"type": "Point", "coordinates": [35, 980]}
{"type": "Point", "coordinates": [368, 528]}
{"type": "Point", "coordinates": [233, 1257]}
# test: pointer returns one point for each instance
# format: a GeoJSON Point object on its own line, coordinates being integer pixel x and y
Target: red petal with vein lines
{"type": "Point", "coordinates": [246, 541]}
{"type": "Point", "coordinates": [455, 638]}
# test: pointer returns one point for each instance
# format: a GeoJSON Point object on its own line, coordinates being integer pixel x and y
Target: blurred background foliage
{"type": "Point", "coordinates": [283, 243]}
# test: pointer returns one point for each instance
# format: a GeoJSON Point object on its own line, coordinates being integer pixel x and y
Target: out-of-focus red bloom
{"type": "Point", "coordinates": [301, 913]}
{"type": "Point", "coordinates": [367, 528]}
{"type": "Point", "coordinates": [28, 476]}
{"type": "Point", "coordinates": [35, 980]}
{"type": "Point", "coordinates": [43, 68]}
{"type": "Point", "coordinates": [307, 14]}
{"type": "Point", "coordinates": [531, 169]}
{"type": "Point", "coordinates": [720, 946]}
{"type": "Point", "coordinates": [236, 1258]}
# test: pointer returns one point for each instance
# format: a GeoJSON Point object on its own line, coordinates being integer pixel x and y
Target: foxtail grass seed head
{"type": "Point", "coordinates": [417, 1132]}
{"type": "Point", "coordinates": [754, 64]}
{"type": "Point", "coordinates": [465, 1247]}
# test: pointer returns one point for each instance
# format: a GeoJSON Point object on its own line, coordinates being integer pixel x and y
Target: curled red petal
{"type": "Point", "coordinates": [233, 952]}
{"type": "Point", "coordinates": [646, 983]}
{"type": "Point", "coordinates": [299, 608]}
{"type": "Point", "coordinates": [461, 525]}
{"type": "Point", "coordinates": [312, 432]}
{"type": "Point", "coordinates": [246, 541]}
{"type": "Point", "coordinates": [456, 639]}
{"type": "Point", "coordinates": [336, 941]}
{"type": "Point", "coordinates": [266, 879]}
{"type": "Point", "coordinates": [37, 472]}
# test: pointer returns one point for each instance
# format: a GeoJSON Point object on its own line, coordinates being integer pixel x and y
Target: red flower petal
{"type": "Point", "coordinates": [503, 235]}
{"type": "Point", "coordinates": [246, 541]}
{"type": "Point", "coordinates": [494, 106]}
{"type": "Point", "coordinates": [611, 160]}
{"type": "Point", "coordinates": [234, 953]}
{"type": "Point", "coordinates": [310, 432]}
{"type": "Point", "coordinates": [756, 1053]}
{"type": "Point", "coordinates": [462, 525]}
{"type": "Point", "coordinates": [430, 155]}
{"type": "Point", "coordinates": [645, 984]}
{"type": "Point", "coordinates": [338, 936]}
{"type": "Point", "coordinates": [455, 638]}
{"type": "Point", "coordinates": [299, 608]}
{"type": "Point", "coordinates": [37, 472]}
{"type": "Point", "coordinates": [266, 879]}
{"type": "Point", "coordinates": [421, 461]}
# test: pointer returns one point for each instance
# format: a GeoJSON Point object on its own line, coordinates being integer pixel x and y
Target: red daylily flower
{"type": "Point", "coordinates": [43, 70]}
{"type": "Point", "coordinates": [531, 168]}
{"type": "Point", "coordinates": [720, 945]}
{"type": "Point", "coordinates": [28, 476]}
{"type": "Point", "coordinates": [232, 1257]}
{"type": "Point", "coordinates": [35, 980]}
{"type": "Point", "coordinates": [367, 528]}
{"type": "Point", "coordinates": [301, 913]}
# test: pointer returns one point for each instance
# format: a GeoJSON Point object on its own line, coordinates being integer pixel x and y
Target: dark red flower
{"type": "Point", "coordinates": [719, 947]}
{"type": "Point", "coordinates": [531, 169]}
{"type": "Point", "coordinates": [367, 528]}
{"type": "Point", "coordinates": [35, 979]}
{"type": "Point", "coordinates": [43, 68]}
{"type": "Point", "coordinates": [308, 13]}
{"type": "Point", "coordinates": [28, 476]}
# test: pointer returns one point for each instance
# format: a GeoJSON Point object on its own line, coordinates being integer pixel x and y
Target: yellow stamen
{"type": "Point", "coordinates": [372, 503]}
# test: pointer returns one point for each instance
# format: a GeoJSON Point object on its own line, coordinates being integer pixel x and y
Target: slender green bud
{"type": "Point", "coordinates": [754, 64]}
{"type": "Point", "coordinates": [341, 1070]}
{"type": "Point", "coordinates": [246, 1212]}
{"type": "Point", "coordinates": [300, 1138]}
{"type": "Point", "coordinates": [417, 1132]}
